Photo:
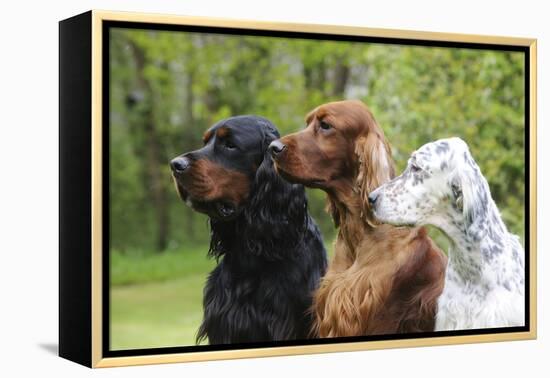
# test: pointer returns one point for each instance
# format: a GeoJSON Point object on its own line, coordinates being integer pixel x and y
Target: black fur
{"type": "Point", "coordinates": [270, 256]}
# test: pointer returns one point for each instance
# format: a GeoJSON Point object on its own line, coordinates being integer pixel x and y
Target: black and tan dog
{"type": "Point", "coordinates": [270, 252]}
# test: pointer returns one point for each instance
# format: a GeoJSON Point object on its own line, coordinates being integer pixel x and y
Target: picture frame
{"type": "Point", "coordinates": [84, 187]}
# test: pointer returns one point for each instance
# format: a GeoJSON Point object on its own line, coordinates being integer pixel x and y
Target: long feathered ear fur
{"type": "Point", "coordinates": [276, 214]}
{"type": "Point", "coordinates": [469, 189]}
{"type": "Point", "coordinates": [375, 167]}
{"type": "Point", "coordinates": [331, 208]}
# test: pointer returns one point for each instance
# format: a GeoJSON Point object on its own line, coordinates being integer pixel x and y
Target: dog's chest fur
{"type": "Point", "coordinates": [247, 306]}
{"type": "Point", "coordinates": [363, 295]}
{"type": "Point", "coordinates": [258, 298]}
{"type": "Point", "coordinates": [486, 294]}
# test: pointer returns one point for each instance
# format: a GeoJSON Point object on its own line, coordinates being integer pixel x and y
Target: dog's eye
{"type": "Point", "coordinates": [325, 126]}
{"type": "Point", "coordinates": [228, 145]}
{"type": "Point", "coordinates": [415, 168]}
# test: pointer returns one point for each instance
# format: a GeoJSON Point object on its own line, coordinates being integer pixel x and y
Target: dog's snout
{"type": "Point", "coordinates": [180, 164]}
{"type": "Point", "coordinates": [276, 147]}
{"type": "Point", "coordinates": [372, 198]}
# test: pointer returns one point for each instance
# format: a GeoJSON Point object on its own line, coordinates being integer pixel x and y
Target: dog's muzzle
{"type": "Point", "coordinates": [276, 148]}
{"type": "Point", "coordinates": [179, 165]}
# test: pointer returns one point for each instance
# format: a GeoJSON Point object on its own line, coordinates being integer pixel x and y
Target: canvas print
{"type": "Point", "coordinates": [285, 189]}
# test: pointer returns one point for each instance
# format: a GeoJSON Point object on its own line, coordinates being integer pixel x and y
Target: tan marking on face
{"type": "Point", "coordinates": [222, 132]}
{"type": "Point", "coordinates": [207, 181]}
{"type": "Point", "coordinates": [207, 135]}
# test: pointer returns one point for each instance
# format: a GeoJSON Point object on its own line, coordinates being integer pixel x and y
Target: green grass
{"type": "Point", "coordinates": [160, 314]}
{"type": "Point", "coordinates": [156, 300]}
{"type": "Point", "coordinates": [139, 268]}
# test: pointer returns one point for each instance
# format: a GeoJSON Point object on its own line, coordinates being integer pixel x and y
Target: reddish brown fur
{"type": "Point", "coordinates": [208, 181]}
{"type": "Point", "coordinates": [207, 135]}
{"type": "Point", "coordinates": [222, 132]}
{"type": "Point", "coordinates": [383, 279]}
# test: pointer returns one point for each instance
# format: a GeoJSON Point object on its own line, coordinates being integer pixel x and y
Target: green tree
{"type": "Point", "coordinates": [168, 87]}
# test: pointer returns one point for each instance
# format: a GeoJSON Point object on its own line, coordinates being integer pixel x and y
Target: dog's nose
{"type": "Point", "coordinates": [372, 198]}
{"type": "Point", "coordinates": [179, 164]}
{"type": "Point", "coordinates": [276, 147]}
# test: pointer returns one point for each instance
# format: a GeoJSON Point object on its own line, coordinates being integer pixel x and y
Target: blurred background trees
{"type": "Point", "coordinates": [167, 88]}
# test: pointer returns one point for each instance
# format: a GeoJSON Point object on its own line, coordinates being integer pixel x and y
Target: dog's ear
{"type": "Point", "coordinates": [458, 196]}
{"type": "Point", "coordinates": [467, 183]}
{"type": "Point", "coordinates": [277, 210]}
{"type": "Point", "coordinates": [332, 209]}
{"type": "Point", "coordinates": [462, 189]}
{"type": "Point", "coordinates": [375, 167]}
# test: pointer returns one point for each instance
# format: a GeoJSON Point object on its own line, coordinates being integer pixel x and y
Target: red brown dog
{"type": "Point", "coordinates": [383, 279]}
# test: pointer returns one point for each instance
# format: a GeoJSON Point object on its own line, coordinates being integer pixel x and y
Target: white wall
{"type": "Point", "coordinates": [28, 185]}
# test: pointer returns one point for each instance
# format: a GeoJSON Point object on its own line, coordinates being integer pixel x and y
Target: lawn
{"type": "Point", "coordinates": [159, 314]}
{"type": "Point", "coordinates": [156, 300]}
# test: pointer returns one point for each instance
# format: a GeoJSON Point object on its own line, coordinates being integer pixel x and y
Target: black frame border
{"type": "Point", "coordinates": [75, 195]}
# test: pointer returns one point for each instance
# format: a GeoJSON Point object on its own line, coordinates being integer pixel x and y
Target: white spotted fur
{"type": "Point", "coordinates": [443, 186]}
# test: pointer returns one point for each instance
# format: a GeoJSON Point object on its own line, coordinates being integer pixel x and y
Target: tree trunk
{"type": "Point", "coordinates": [153, 153]}
{"type": "Point", "coordinates": [341, 77]}
{"type": "Point", "coordinates": [192, 140]}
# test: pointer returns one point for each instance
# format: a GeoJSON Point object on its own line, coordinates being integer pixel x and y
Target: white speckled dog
{"type": "Point", "coordinates": [443, 186]}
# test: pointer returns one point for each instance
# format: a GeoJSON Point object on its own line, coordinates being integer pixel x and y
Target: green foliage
{"type": "Point", "coordinates": [168, 87]}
